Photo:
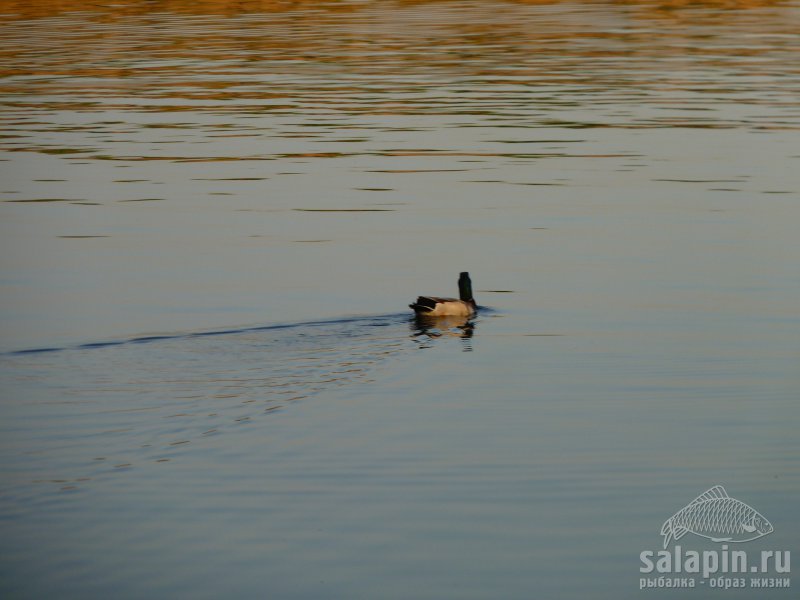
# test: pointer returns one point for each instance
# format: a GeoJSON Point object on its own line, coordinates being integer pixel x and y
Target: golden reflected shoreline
{"type": "Point", "coordinates": [19, 9]}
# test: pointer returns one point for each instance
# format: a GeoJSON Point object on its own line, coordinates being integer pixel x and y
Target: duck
{"type": "Point", "coordinates": [434, 306]}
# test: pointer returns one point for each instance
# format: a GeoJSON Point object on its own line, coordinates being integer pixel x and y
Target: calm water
{"type": "Point", "coordinates": [214, 214]}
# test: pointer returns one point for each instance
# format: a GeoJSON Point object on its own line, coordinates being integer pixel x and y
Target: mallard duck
{"type": "Point", "coordinates": [435, 307]}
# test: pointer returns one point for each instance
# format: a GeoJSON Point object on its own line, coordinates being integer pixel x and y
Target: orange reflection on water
{"type": "Point", "coordinates": [306, 70]}
{"type": "Point", "coordinates": [48, 8]}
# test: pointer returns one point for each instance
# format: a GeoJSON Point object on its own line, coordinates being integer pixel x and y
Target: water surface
{"type": "Point", "coordinates": [213, 216]}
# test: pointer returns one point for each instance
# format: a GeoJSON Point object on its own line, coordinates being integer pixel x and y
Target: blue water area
{"type": "Point", "coordinates": [374, 457]}
{"type": "Point", "coordinates": [213, 218]}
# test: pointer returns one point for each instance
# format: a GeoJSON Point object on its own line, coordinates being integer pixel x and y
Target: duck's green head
{"type": "Point", "coordinates": [465, 287]}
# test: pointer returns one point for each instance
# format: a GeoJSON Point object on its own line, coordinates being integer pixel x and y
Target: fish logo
{"type": "Point", "coordinates": [718, 517]}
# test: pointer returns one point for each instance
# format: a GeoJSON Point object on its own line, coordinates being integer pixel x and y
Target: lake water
{"type": "Point", "coordinates": [213, 215]}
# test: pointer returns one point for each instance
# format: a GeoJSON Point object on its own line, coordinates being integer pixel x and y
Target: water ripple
{"type": "Point", "coordinates": [128, 403]}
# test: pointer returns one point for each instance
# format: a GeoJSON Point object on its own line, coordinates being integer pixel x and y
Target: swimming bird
{"type": "Point", "coordinates": [434, 306]}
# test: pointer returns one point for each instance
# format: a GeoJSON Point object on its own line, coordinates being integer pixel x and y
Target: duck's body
{"type": "Point", "coordinates": [435, 306]}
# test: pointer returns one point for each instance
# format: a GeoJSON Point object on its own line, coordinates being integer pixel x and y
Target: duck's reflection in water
{"type": "Point", "coordinates": [426, 330]}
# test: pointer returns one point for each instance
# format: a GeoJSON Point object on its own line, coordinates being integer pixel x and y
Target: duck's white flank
{"type": "Point", "coordinates": [435, 306]}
